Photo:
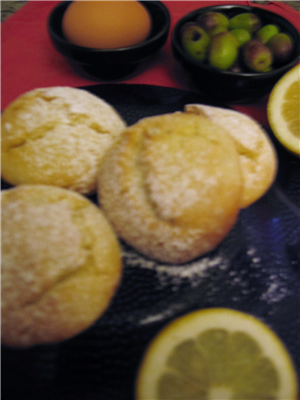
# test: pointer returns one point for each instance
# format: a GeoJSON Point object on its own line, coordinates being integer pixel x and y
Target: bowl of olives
{"type": "Point", "coordinates": [235, 53]}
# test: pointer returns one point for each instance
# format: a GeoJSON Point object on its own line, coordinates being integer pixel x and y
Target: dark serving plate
{"type": "Point", "coordinates": [256, 269]}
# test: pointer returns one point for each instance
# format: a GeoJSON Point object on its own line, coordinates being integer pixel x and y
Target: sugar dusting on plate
{"type": "Point", "coordinates": [275, 285]}
{"type": "Point", "coordinates": [175, 275]}
{"type": "Point", "coordinates": [276, 289]}
{"type": "Point", "coordinates": [195, 272]}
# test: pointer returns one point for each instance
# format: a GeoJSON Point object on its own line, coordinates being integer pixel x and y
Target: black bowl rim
{"type": "Point", "coordinates": [276, 71]}
{"type": "Point", "coordinates": [148, 41]}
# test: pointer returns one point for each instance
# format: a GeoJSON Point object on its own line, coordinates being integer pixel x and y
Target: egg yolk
{"type": "Point", "coordinates": [106, 24]}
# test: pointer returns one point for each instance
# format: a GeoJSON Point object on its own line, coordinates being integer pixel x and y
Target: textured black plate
{"type": "Point", "coordinates": [256, 269]}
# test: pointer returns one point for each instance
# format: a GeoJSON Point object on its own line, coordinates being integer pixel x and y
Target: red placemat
{"type": "Point", "coordinates": [29, 60]}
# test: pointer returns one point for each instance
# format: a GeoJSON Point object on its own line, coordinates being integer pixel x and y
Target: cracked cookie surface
{"type": "Point", "coordinates": [257, 155]}
{"type": "Point", "coordinates": [61, 264]}
{"type": "Point", "coordinates": [171, 186]}
{"type": "Point", "coordinates": [57, 136]}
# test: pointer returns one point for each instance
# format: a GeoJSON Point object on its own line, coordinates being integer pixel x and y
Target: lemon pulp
{"type": "Point", "coordinates": [219, 365]}
{"type": "Point", "coordinates": [290, 108]}
{"type": "Point", "coordinates": [283, 110]}
{"type": "Point", "coordinates": [216, 354]}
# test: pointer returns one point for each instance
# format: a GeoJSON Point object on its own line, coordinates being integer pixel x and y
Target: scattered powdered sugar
{"type": "Point", "coordinates": [275, 285]}
{"type": "Point", "coordinates": [176, 275]}
{"type": "Point", "coordinates": [276, 290]}
{"type": "Point", "coordinates": [252, 253]}
{"type": "Point", "coordinates": [161, 316]}
{"type": "Point", "coordinates": [7, 126]}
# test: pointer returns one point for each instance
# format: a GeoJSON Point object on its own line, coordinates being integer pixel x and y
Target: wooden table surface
{"type": "Point", "coordinates": [9, 7]}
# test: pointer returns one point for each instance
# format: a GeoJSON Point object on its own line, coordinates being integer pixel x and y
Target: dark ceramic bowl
{"type": "Point", "coordinates": [230, 87]}
{"type": "Point", "coordinates": [115, 63]}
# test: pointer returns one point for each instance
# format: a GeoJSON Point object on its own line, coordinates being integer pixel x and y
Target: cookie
{"type": "Point", "coordinates": [57, 136]}
{"type": "Point", "coordinates": [257, 154]}
{"type": "Point", "coordinates": [171, 186]}
{"type": "Point", "coordinates": [61, 264]}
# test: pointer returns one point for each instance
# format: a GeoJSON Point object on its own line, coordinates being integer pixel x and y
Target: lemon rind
{"type": "Point", "coordinates": [190, 325]}
{"type": "Point", "coordinates": [291, 142]}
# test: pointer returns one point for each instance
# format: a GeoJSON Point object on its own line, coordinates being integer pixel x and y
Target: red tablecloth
{"type": "Point", "coordinates": [29, 60]}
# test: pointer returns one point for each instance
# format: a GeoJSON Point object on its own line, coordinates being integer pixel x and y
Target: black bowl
{"type": "Point", "coordinates": [231, 87]}
{"type": "Point", "coordinates": [110, 64]}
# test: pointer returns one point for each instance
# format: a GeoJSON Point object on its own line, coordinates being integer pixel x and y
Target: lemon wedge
{"type": "Point", "coordinates": [283, 110]}
{"type": "Point", "coordinates": [216, 354]}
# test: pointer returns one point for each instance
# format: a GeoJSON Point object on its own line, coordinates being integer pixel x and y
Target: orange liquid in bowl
{"type": "Point", "coordinates": [106, 24]}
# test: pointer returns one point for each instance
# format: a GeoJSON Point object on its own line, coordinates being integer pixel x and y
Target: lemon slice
{"type": "Point", "coordinates": [283, 110]}
{"type": "Point", "coordinates": [216, 354]}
